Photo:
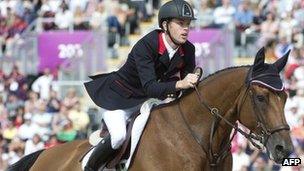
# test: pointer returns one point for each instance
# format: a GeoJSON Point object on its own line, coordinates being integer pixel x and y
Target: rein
{"type": "Point", "coordinates": [215, 158]}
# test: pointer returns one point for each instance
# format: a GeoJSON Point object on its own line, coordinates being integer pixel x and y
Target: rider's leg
{"type": "Point", "coordinates": [116, 122]}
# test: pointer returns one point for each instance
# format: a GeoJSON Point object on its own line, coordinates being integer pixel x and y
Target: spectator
{"type": "Point", "coordinates": [79, 118]}
{"type": "Point", "coordinates": [10, 132]}
{"type": "Point", "coordinates": [79, 19]}
{"type": "Point", "coordinates": [298, 133]}
{"type": "Point", "coordinates": [115, 29]}
{"type": "Point", "coordinates": [205, 15]}
{"type": "Point", "coordinates": [243, 20]}
{"type": "Point", "coordinates": [10, 17]}
{"type": "Point", "coordinates": [257, 20]}
{"type": "Point", "coordinates": [99, 16]}
{"type": "Point", "coordinates": [141, 9]}
{"type": "Point", "coordinates": [2, 107]}
{"type": "Point", "coordinates": [29, 15]}
{"type": "Point", "coordinates": [64, 17]}
{"type": "Point", "coordinates": [53, 104]}
{"type": "Point", "coordinates": [43, 120]}
{"type": "Point", "coordinates": [68, 133]}
{"type": "Point", "coordinates": [299, 99]}
{"type": "Point", "coordinates": [28, 129]}
{"type": "Point", "coordinates": [71, 98]}
{"type": "Point", "coordinates": [31, 104]}
{"type": "Point", "coordinates": [17, 27]}
{"type": "Point", "coordinates": [15, 80]}
{"type": "Point", "coordinates": [15, 152]}
{"type": "Point", "coordinates": [299, 76]}
{"type": "Point", "coordinates": [52, 142]}
{"type": "Point", "coordinates": [223, 15]}
{"type": "Point", "coordinates": [33, 145]}
{"type": "Point", "coordinates": [75, 5]}
{"type": "Point", "coordinates": [259, 162]}
{"type": "Point", "coordinates": [240, 159]}
{"type": "Point", "coordinates": [243, 16]}
{"type": "Point", "coordinates": [13, 103]}
{"type": "Point", "coordinates": [269, 29]}
{"type": "Point", "coordinates": [59, 119]}
{"type": "Point", "coordinates": [43, 84]}
{"type": "Point", "coordinates": [48, 25]}
{"type": "Point", "coordinates": [3, 7]}
{"type": "Point", "coordinates": [288, 26]}
{"type": "Point", "coordinates": [298, 14]}
{"type": "Point", "coordinates": [47, 6]}
{"type": "Point", "coordinates": [132, 17]}
{"type": "Point", "coordinates": [292, 115]}
{"type": "Point", "coordinates": [3, 34]}
{"type": "Point", "coordinates": [14, 30]}
{"type": "Point", "coordinates": [19, 117]}
{"type": "Point", "coordinates": [282, 47]}
{"type": "Point", "coordinates": [293, 62]}
{"type": "Point", "coordinates": [122, 17]}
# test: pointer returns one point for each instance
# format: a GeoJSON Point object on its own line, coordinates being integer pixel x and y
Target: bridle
{"type": "Point", "coordinates": [262, 138]}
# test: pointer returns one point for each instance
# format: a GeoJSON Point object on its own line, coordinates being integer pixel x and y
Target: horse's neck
{"type": "Point", "coordinates": [220, 91]}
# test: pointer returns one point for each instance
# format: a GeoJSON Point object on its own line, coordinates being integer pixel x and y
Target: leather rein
{"type": "Point", "coordinates": [262, 138]}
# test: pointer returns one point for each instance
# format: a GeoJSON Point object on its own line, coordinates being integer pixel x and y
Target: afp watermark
{"type": "Point", "coordinates": [291, 162]}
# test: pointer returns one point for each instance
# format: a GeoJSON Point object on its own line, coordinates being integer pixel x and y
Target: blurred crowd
{"type": "Point", "coordinates": [119, 17]}
{"type": "Point", "coordinates": [33, 116]}
{"type": "Point", "coordinates": [276, 24]}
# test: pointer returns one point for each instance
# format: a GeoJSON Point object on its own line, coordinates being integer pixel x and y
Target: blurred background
{"type": "Point", "coordinates": [48, 48]}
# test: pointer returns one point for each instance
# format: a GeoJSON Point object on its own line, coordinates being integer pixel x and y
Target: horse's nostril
{"type": "Point", "coordinates": [281, 151]}
{"type": "Point", "coordinates": [279, 148]}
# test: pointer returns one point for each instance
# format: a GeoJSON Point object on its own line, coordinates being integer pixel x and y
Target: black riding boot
{"type": "Point", "coordinates": [100, 155]}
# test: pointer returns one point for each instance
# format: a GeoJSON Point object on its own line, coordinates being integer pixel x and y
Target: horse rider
{"type": "Point", "coordinates": [159, 65]}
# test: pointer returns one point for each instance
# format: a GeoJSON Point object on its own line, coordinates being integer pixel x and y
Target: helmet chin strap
{"type": "Point", "coordinates": [172, 39]}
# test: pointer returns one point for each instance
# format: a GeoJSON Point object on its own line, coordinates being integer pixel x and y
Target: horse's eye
{"type": "Point", "coordinates": [261, 98]}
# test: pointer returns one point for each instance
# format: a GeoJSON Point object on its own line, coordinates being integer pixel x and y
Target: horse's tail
{"type": "Point", "coordinates": [25, 163]}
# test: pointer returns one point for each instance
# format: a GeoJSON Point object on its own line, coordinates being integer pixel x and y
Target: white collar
{"type": "Point", "coordinates": [170, 50]}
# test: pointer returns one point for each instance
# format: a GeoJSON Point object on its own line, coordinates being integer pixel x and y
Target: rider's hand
{"type": "Point", "coordinates": [188, 82]}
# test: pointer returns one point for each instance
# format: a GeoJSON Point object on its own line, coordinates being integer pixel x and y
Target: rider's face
{"type": "Point", "coordinates": [179, 29]}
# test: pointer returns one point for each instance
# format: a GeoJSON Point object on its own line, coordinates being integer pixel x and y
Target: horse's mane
{"type": "Point", "coordinates": [222, 70]}
{"type": "Point", "coordinates": [214, 74]}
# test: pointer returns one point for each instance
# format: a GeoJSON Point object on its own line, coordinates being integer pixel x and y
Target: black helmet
{"type": "Point", "coordinates": [175, 9]}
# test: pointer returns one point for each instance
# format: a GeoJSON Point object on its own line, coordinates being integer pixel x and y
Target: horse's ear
{"type": "Point", "coordinates": [259, 59]}
{"type": "Point", "coordinates": [280, 63]}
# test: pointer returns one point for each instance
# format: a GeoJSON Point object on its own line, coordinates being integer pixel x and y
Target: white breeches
{"type": "Point", "coordinates": [116, 121]}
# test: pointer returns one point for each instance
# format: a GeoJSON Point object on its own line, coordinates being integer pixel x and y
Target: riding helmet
{"type": "Point", "coordinates": [175, 9]}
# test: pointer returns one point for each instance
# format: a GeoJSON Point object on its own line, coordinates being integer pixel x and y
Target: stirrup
{"type": "Point", "coordinates": [100, 155]}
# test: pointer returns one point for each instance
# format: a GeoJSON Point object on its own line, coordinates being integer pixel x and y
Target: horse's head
{"type": "Point", "coordinates": [262, 106]}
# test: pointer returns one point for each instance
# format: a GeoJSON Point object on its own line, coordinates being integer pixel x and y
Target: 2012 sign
{"type": "Point", "coordinates": [70, 51]}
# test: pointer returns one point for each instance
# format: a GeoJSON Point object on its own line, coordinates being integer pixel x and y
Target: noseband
{"type": "Point", "coordinates": [262, 138]}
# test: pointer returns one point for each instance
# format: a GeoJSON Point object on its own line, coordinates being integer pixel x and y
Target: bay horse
{"type": "Point", "coordinates": [193, 133]}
